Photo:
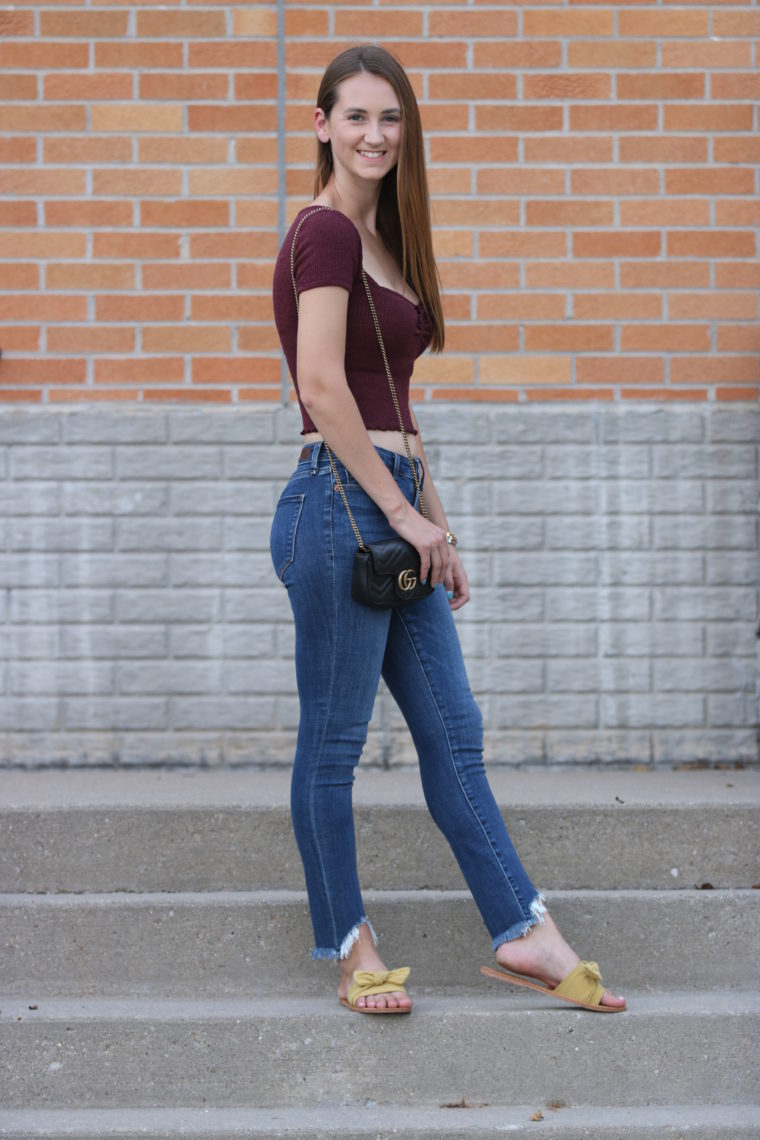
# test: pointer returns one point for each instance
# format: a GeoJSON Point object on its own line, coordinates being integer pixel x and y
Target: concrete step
{"type": "Point", "coordinates": [242, 944]}
{"type": "Point", "coordinates": [505, 1047]}
{"type": "Point", "coordinates": [230, 830]}
{"type": "Point", "coordinates": [388, 1122]}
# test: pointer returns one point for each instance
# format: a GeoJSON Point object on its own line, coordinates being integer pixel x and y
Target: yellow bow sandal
{"type": "Point", "coordinates": [367, 983]}
{"type": "Point", "coordinates": [583, 986]}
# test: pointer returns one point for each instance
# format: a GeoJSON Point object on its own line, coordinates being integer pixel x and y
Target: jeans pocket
{"type": "Point", "coordinates": [282, 539]}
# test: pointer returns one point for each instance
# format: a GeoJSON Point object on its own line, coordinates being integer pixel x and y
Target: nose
{"type": "Point", "coordinates": [374, 132]}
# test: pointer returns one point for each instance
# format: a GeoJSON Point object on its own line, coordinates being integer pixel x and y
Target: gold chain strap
{"type": "Point", "coordinates": [392, 386]}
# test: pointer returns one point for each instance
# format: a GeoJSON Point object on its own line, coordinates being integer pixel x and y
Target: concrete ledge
{"type": "Point", "coordinates": [387, 1122]}
{"type": "Point", "coordinates": [671, 1049]}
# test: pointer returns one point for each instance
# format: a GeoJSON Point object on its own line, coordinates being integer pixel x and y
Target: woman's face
{"type": "Point", "coordinates": [364, 127]}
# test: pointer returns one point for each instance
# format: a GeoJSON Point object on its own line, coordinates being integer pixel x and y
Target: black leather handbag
{"type": "Point", "coordinates": [385, 573]}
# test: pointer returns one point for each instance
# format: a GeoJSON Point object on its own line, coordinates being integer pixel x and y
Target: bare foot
{"type": "Point", "coordinates": [364, 956]}
{"type": "Point", "coordinates": [543, 954]}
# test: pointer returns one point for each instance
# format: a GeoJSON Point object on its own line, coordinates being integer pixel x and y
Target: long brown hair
{"type": "Point", "coordinates": [403, 212]}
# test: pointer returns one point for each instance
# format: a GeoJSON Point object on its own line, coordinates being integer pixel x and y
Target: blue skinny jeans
{"type": "Point", "coordinates": [342, 649]}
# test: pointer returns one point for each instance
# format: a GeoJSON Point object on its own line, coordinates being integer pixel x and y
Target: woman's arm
{"type": "Point", "coordinates": [327, 398]}
{"type": "Point", "coordinates": [455, 580]}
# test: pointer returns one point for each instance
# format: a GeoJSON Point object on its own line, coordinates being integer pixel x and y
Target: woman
{"type": "Point", "coordinates": [371, 210]}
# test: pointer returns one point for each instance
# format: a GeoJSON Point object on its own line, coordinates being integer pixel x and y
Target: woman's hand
{"type": "Point", "coordinates": [428, 540]}
{"type": "Point", "coordinates": [456, 582]}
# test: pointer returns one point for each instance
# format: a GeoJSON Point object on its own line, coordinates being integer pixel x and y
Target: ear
{"type": "Point", "coordinates": [321, 125]}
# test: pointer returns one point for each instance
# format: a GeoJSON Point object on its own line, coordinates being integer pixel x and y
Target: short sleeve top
{"type": "Point", "coordinates": [328, 251]}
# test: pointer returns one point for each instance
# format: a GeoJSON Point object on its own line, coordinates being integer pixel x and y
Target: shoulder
{"type": "Point", "coordinates": [328, 248]}
{"type": "Point", "coordinates": [321, 225]}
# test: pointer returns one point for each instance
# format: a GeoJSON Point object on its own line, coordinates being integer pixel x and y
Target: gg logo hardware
{"type": "Point", "coordinates": [407, 580]}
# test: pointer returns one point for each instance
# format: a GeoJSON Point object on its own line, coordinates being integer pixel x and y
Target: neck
{"type": "Point", "coordinates": [357, 201]}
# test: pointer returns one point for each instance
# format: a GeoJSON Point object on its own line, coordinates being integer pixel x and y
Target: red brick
{"type": "Point", "coordinates": [715, 180]}
{"type": "Point", "coordinates": [186, 338]}
{"type": "Point", "coordinates": [641, 117]}
{"type": "Point", "coordinates": [465, 24]}
{"type": "Point", "coordinates": [520, 118]}
{"type": "Point", "coordinates": [619, 369]}
{"type": "Point", "coordinates": [17, 150]}
{"type": "Point", "coordinates": [137, 56]}
{"type": "Point", "coordinates": [144, 307]}
{"type": "Point", "coordinates": [737, 275]}
{"type": "Point", "coordinates": [716, 243]}
{"type": "Point", "coordinates": [193, 395]}
{"type": "Point", "coordinates": [21, 338]}
{"type": "Point", "coordinates": [517, 243]}
{"type": "Point", "coordinates": [259, 20]}
{"type": "Point", "coordinates": [482, 338]}
{"type": "Point", "coordinates": [661, 23]}
{"type": "Point", "coordinates": [179, 24]}
{"type": "Point", "coordinates": [231, 307]}
{"type": "Point", "coordinates": [662, 394]}
{"type": "Point", "coordinates": [738, 24]}
{"type": "Point", "coordinates": [19, 275]}
{"type": "Point", "coordinates": [18, 87]}
{"type": "Point", "coordinates": [48, 307]}
{"type": "Point", "coordinates": [21, 395]}
{"type": "Point", "coordinates": [135, 246]}
{"type": "Point", "coordinates": [98, 339]}
{"type": "Point", "coordinates": [91, 395]}
{"type": "Point", "coordinates": [214, 275]}
{"type": "Point", "coordinates": [742, 149]}
{"type": "Point", "coordinates": [665, 338]}
{"type": "Point", "coordinates": [65, 275]}
{"type": "Point", "coordinates": [665, 274]}
{"type": "Point", "coordinates": [187, 151]}
{"type": "Point", "coordinates": [547, 394]}
{"type": "Point", "coordinates": [465, 85]}
{"type": "Point", "coordinates": [263, 339]}
{"type": "Point", "coordinates": [101, 85]}
{"type": "Point", "coordinates": [88, 214]}
{"type": "Point", "coordinates": [666, 212]}
{"type": "Point", "coordinates": [633, 54]}
{"type": "Point", "coordinates": [272, 394]}
{"type": "Point", "coordinates": [184, 214]}
{"type": "Point", "coordinates": [88, 25]}
{"type": "Point", "coordinates": [617, 305]}
{"type": "Point", "coordinates": [473, 150]}
{"type": "Point", "coordinates": [257, 213]}
{"type": "Point", "coordinates": [569, 337]}
{"type": "Point", "coordinates": [235, 370]}
{"type": "Point", "coordinates": [43, 370]}
{"type": "Point", "coordinates": [137, 183]}
{"type": "Point", "coordinates": [379, 25]}
{"type": "Point", "coordinates": [156, 85]}
{"type": "Point", "coordinates": [738, 212]}
{"type": "Point", "coordinates": [139, 370]}
{"type": "Point", "coordinates": [89, 150]}
{"type": "Point", "coordinates": [150, 117]}
{"type": "Point", "coordinates": [707, 55]}
{"type": "Point", "coordinates": [232, 120]}
{"type": "Point", "coordinates": [739, 338]}
{"type": "Point", "coordinates": [664, 150]}
{"type": "Point", "coordinates": [570, 274]}
{"type": "Point", "coordinates": [524, 182]}
{"type": "Point", "coordinates": [44, 56]}
{"type": "Point", "coordinates": [712, 305]}
{"type": "Point", "coordinates": [565, 22]}
{"type": "Point", "coordinates": [580, 85]}
{"type": "Point", "coordinates": [13, 214]}
{"type": "Point", "coordinates": [31, 182]}
{"type": "Point", "coordinates": [449, 180]}
{"type": "Point", "coordinates": [520, 306]}
{"type": "Point", "coordinates": [519, 55]}
{"type": "Point", "coordinates": [747, 394]}
{"type": "Point", "coordinates": [521, 369]}
{"type": "Point", "coordinates": [42, 245]}
{"type": "Point", "coordinates": [444, 117]}
{"type": "Point", "coordinates": [563, 213]}
{"type": "Point", "coordinates": [43, 120]}
{"type": "Point", "coordinates": [233, 245]}
{"type": "Point", "coordinates": [238, 56]}
{"type": "Point", "coordinates": [567, 151]}
{"type": "Point", "coordinates": [714, 369]}
{"type": "Point", "coordinates": [615, 183]}
{"type": "Point", "coordinates": [15, 23]}
{"type": "Point", "coordinates": [661, 86]}
{"type": "Point", "coordinates": [616, 244]}
{"type": "Point", "coordinates": [477, 212]}
{"type": "Point", "coordinates": [707, 119]}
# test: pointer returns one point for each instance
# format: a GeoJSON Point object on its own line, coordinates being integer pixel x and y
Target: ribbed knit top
{"type": "Point", "coordinates": [328, 251]}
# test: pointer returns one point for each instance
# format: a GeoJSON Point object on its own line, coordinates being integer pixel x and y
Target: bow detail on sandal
{"type": "Point", "coordinates": [368, 983]}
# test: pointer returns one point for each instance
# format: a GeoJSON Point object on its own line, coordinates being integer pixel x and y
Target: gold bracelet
{"type": "Point", "coordinates": [451, 538]}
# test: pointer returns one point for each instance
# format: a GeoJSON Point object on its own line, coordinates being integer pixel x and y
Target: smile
{"type": "Point", "coordinates": [372, 153]}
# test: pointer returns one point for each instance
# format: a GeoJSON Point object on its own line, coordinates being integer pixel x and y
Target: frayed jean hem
{"type": "Point", "coordinates": [520, 929]}
{"type": "Point", "coordinates": [319, 954]}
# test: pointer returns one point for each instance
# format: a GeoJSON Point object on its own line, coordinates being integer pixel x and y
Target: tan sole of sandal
{"type": "Point", "coordinates": [373, 1009]}
{"type": "Point", "coordinates": [503, 975]}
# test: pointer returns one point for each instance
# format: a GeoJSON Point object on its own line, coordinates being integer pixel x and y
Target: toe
{"type": "Point", "coordinates": [608, 998]}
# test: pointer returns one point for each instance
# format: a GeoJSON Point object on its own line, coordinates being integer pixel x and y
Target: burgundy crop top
{"type": "Point", "coordinates": [329, 252]}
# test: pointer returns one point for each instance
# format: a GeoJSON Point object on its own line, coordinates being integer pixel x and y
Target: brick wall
{"type": "Point", "coordinates": [593, 168]}
{"type": "Point", "coordinates": [612, 553]}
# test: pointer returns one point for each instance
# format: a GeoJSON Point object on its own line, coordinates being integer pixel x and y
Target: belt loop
{"type": "Point", "coordinates": [396, 464]}
{"type": "Point", "coordinates": [315, 457]}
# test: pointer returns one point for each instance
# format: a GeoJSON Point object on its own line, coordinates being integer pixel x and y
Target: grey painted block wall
{"type": "Point", "coordinates": [612, 551]}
